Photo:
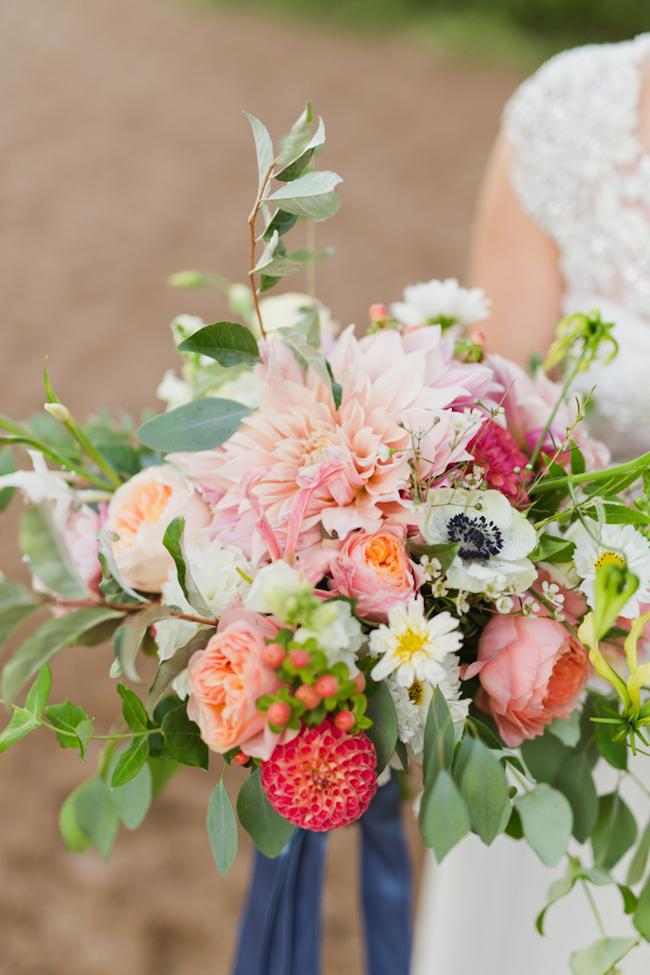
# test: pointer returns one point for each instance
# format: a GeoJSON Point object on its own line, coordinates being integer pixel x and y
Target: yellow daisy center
{"type": "Point", "coordinates": [609, 558]}
{"type": "Point", "coordinates": [409, 643]}
{"type": "Point", "coordinates": [416, 692]}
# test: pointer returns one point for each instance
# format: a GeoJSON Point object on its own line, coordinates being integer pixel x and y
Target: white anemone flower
{"type": "Point", "coordinates": [620, 545]}
{"type": "Point", "coordinates": [441, 301]}
{"type": "Point", "coordinates": [494, 539]}
{"type": "Point", "coordinates": [412, 647]}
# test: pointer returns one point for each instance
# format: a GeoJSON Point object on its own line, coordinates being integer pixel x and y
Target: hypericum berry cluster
{"type": "Point", "coordinates": [312, 690]}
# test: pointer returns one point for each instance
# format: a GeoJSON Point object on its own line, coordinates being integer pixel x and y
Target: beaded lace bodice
{"type": "Point", "coordinates": [582, 171]}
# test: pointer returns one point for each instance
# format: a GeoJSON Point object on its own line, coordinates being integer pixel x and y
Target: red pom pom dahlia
{"type": "Point", "coordinates": [323, 779]}
{"type": "Point", "coordinates": [497, 451]}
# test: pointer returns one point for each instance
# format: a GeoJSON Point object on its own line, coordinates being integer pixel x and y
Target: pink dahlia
{"type": "Point", "coordinates": [323, 779]}
{"type": "Point", "coordinates": [495, 450]}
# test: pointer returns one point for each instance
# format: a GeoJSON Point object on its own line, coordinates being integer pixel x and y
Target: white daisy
{"type": "Point", "coordinates": [412, 647]}
{"type": "Point", "coordinates": [494, 539]}
{"type": "Point", "coordinates": [441, 301]}
{"type": "Point", "coordinates": [620, 545]}
{"type": "Point", "coordinates": [412, 704]}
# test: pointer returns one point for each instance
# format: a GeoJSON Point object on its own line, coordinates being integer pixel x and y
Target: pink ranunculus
{"type": "Point", "coordinates": [80, 536]}
{"type": "Point", "coordinates": [140, 511]}
{"type": "Point", "coordinates": [375, 569]}
{"type": "Point", "coordinates": [226, 680]}
{"type": "Point", "coordinates": [532, 670]}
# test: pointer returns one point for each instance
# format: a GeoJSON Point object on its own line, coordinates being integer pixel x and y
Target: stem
{"type": "Point", "coordinates": [92, 452]}
{"type": "Point", "coordinates": [251, 224]}
{"type": "Point", "coordinates": [179, 616]}
{"type": "Point", "coordinates": [310, 266]}
{"type": "Point", "coordinates": [592, 902]}
{"type": "Point", "coordinates": [565, 389]}
{"type": "Point", "coordinates": [639, 783]}
{"type": "Point", "coordinates": [518, 777]}
{"type": "Point", "coordinates": [634, 465]}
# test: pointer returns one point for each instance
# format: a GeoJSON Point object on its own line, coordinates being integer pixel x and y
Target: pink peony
{"type": "Point", "coordinates": [531, 671]}
{"type": "Point", "coordinates": [140, 511]}
{"type": "Point", "coordinates": [376, 569]}
{"type": "Point", "coordinates": [226, 680]}
{"type": "Point", "coordinates": [496, 451]}
{"type": "Point", "coordinates": [528, 404]}
{"type": "Point", "coordinates": [323, 779]}
{"type": "Point", "coordinates": [302, 464]}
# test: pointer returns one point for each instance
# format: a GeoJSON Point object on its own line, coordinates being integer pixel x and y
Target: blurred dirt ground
{"type": "Point", "coordinates": [124, 156]}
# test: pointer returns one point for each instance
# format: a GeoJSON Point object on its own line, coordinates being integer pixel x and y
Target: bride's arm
{"type": "Point", "coordinates": [516, 264]}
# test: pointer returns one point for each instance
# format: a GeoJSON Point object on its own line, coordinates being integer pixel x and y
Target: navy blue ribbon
{"type": "Point", "coordinates": [281, 932]}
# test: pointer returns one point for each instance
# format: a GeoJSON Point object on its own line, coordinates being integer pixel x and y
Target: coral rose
{"type": "Point", "coordinates": [140, 511]}
{"type": "Point", "coordinates": [226, 679]}
{"type": "Point", "coordinates": [531, 671]}
{"type": "Point", "coordinates": [375, 569]}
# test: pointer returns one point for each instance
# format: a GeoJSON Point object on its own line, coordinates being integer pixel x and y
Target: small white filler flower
{"type": "Point", "coordinates": [414, 648]}
{"type": "Point", "coordinates": [620, 545]}
{"type": "Point", "coordinates": [494, 539]}
{"type": "Point", "coordinates": [443, 302]}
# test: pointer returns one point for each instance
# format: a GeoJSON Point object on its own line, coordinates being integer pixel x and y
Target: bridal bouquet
{"type": "Point", "coordinates": [349, 556]}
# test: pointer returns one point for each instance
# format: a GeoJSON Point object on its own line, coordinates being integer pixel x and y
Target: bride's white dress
{"type": "Point", "coordinates": [582, 171]}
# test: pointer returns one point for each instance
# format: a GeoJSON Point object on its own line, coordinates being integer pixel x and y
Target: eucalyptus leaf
{"type": "Point", "coordinates": [268, 829]}
{"type": "Point", "coordinates": [566, 729]}
{"type": "Point", "coordinates": [559, 889]}
{"type": "Point", "coordinates": [282, 222]}
{"type": "Point", "coordinates": [130, 762]}
{"type": "Point", "coordinates": [48, 640]}
{"type": "Point", "coordinates": [263, 147]}
{"type": "Point", "coordinates": [132, 800]}
{"type": "Point", "coordinates": [297, 141]}
{"type": "Point", "coordinates": [639, 862]}
{"type": "Point", "coordinates": [614, 752]}
{"type": "Point", "coordinates": [544, 756]}
{"type": "Point", "coordinates": [13, 593]}
{"type": "Point", "coordinates": [574, 780]}
{"type": "Point", "coordinates": [229, 343]}
{"type": "Point", "coordinates": [75, 840]}
{"type": "Point", "coordinates": [129, 636]}
{"type": "Point", "coordinates": [170, 669]}
{"type": "Point", "coordinates": [162, 771]}
{"type": "Point", "coordinates": [547, 821]}
{"type": "Point", "coordinates": [615, 831]}
{"type": "Point", "coordinates": [484, 788]}
{"type": "Point", "coordinates": [222, 829]}
{"type": "Point", "coordinates": [383, 733]}
{"type": "Point", "coordinates": [273, 264]}
{"type": "Point", "coordinates": [96, 815]}
{"type": "Point", "coordinates": [200, 425]}
{"type": "Point", "coordinates": [444, 818]}
{"type": "Point", "coordinates": [311, 195]}
{"type": "Point", "coordinates": [183, 739]}
{"type": "Point", "coordinates": [600, 957]}
{"type": "Point", "coordinates": [48, 556]}
{"type": "Point", "coordinates": [438, 739]}
{"type": "Point", "coordinates": [641, 917]}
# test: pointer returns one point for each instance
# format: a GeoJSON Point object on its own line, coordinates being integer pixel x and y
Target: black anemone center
{"type": "Point", "coordinates": [479, 539]}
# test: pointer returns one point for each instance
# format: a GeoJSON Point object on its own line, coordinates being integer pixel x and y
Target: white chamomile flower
{"type": "Point", "coordinates": [620, 545]}
{"type": "Point", "coordinates": [494, 539]}
{"type": "Point", "coordinates": [412, 707]}
{"type": "Point", "coordinates": [444, 302]}
{"type": "Point", "coordinates": [412, 647]}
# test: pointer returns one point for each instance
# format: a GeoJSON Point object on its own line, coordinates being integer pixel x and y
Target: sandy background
{"type": "Point", "coordinates": [124, 156]}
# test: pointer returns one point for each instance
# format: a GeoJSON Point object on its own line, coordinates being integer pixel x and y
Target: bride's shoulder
{"type": "Point", "coordinates": [583, 91]}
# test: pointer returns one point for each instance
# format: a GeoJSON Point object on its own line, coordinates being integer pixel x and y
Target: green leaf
{"type": "Point", "coordinates": [445, 552]}
{"type": "Point", "coordinates": [114, 586]}
{"type": "Point", "coordinates": [614, 752]}
{"type": "Point", "coordinates": [444, 818]}
{"type": "Point", "coordinates": [640, 859]}
{"type": "Point", "coordinates": [600, 957]}
{"type": "Point", "coordinates": [544, 756]}
{"type": "Point", "coordinates": [132, 709]}
{"type": "Point", "coordinates": [96, 815]}
{"type": "Point", "coordinates": [269, 830]}
{"type": "Point", "coordinates": [13, 617]}
{"type": "Point", "coordinates": [577, 459]}
{"type": "Point", "coordinates": [296, 168]}
{"type": "Point", "coordinates": [272, 263]}
{"type": "Point", "coordinates": [67, 718]}
{"type": "Point", "coordinates": [39, 692]}
{"type": "Point", "coordinates": [574, 780]}
{"type": "Point", "coordinates": [383, 733]}
{"type": "Point", "coordinates": [263, 147]}
{"type": "Point", "coordinates": [7, 466]}
{"type": "Point", "coordinates": [12, 593]}
{"type": "Point", "coordinates": [566, 729]}
{"type": "Point", "coordinates": [48, 640]}
{"type": "Point", "coordinates": [132, 800]}
{"type": "Point", "coordinates": [170, 669]}
{"type": "Point", "coordinates": [129, 637]}
{"type": "Point", "coordinates": [75, 840]}
{"type": "Point", "coordinates": [162, 770]}
{"type": "Point", "coordinates": [486, 735]}
{"type": "Point", "coordinates": [547, 821]}
{"type": "Point", "coordinates": [641, 917]}
{"type": "Point", "coordinates": [19, 726]}
{"type": "Point", "coordinates": [297, 140]}
{"type": "Point", "coordinates": [556, 891]}
{"type": "Point", "coordinates": [130, 762]}
{"type": "Point", "coordinates": [48, 556]}
{"type": "Point", "coordinates": [282, 222]}
{"type": "Point", "coordinates": [614, 833]}
{"type": "Point", "coordinates": [227, 342]}
{"type": "Point", "coordinates": [201, 425]}
{"type": "Point", "coordinates": [438, 739]}
{"type": "Point", "coordinates": [222, 829]}
{"type": "Point", "coordinates": [514, 827]}
{"type": "Point", "coordinates": [484, 788]}
{"type": "Point", "coordinates": [620, 514]}
{"type": "Point", "coordinates": [84, 732]}
{"type": "Point", "coordinates": [552, 549]}
{"type": "Point", "coordinates": [183, 739]}
{"type": "Point", "coordinates": [311, 195]}
{"type": "Point", "coordinates": [173, 542]}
